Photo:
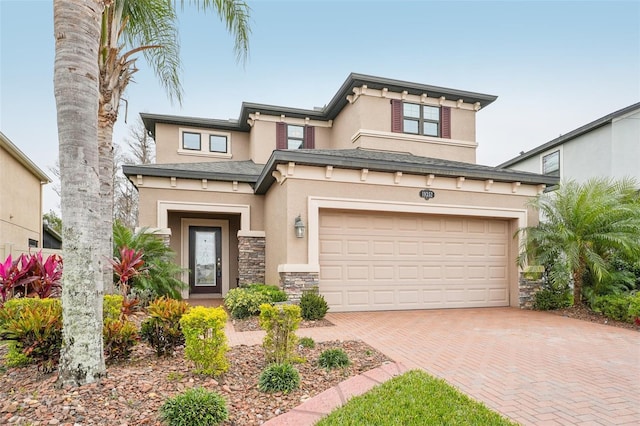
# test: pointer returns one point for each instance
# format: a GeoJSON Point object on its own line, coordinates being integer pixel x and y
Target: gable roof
{"type": "Point", "coordinates": [20, 156]}
{"type": "Point", "coordinates": [328, 112]}
{"type": "Point", "coordinates": [260, 175]}
{"type": "Point", "coordinates": [602, 121]}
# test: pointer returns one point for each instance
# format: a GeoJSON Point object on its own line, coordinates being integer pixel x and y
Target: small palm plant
{"type": "Point", "coordinates": [584, 228]}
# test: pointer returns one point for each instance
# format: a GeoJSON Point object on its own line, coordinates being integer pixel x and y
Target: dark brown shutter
{"type": "Point", "coordinates": [396, 115]}
{"type": "Point", "coordinates": [309, 137]}
{"type": "Point", "coordinates": [445, 122]}
{"type": "Point", "coordinates": [281, 136]}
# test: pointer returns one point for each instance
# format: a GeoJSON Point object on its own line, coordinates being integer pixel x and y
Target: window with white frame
{"type": "Point", "coordinates": [551, 164]}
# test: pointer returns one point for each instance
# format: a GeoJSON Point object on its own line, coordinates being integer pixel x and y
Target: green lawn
{"type": "Point", "coordinates": [414, 398]}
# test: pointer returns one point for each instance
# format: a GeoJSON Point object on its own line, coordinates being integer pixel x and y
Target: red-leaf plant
{"type": "Point", "coordinates": [29, 275]}
{"type": "Point", "coordinates": [129, 265]}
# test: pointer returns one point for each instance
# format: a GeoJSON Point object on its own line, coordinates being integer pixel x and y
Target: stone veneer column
{"type": "Point", "coordinates": [528, 289]}
{"type": "Point", "coordinates": [251, 265]}
{"type": "Point", "coordinates": [294, 283]}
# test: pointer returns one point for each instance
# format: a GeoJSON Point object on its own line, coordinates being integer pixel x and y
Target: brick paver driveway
{"type": "Point", "coordinates": [536, 368]}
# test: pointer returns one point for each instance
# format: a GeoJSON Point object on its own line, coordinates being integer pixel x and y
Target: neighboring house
{"type": "Point", "coordinates": [606, 147]}
{"type": "Point", "coordinates": [51, 238]}
{"type": "Point", "coordinates": [375, 198]}
{"type": "Point", "coordinates": [20, 200]}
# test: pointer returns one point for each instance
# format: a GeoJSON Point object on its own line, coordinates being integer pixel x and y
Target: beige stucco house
{"type": "Point", "coordinates": [396, 212]}
{"type": "Point", "coordinates": [20, 200]}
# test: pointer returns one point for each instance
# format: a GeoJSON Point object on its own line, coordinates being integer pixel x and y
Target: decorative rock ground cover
{"type": "Point", "coordinates": [133, 391]}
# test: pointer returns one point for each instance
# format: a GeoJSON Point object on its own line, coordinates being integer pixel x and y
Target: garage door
{"type": "Point", "coordinates": [381, 261]}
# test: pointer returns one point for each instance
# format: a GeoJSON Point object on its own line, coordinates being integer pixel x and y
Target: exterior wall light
{"type": "Point", "coordinates": [298, 225]}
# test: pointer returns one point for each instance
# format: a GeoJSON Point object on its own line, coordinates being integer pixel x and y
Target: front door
{"type": "Point", "coordinates": [205, 259]}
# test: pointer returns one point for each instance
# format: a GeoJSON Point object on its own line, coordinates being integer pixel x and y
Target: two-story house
{"type": "Point", "coordinates": [374, 198]}
{"type": "Point", "coordinates": [606, 147]}
{"type": "Point", "coordinates": [20, 200]}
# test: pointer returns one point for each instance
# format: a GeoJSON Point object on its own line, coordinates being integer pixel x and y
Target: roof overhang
{"type": "Point", "coordinates": [328, 112]}
{"type": "Point", "coordinates": [15, 152]}
{"type": "Point", "coordinates": [266, 178]}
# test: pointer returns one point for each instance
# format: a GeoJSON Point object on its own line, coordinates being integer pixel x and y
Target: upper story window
{"type": "Point", "coordinates": [218, 143]}
{"type": "Point", "coordinates": [295, 137]}
{"type": "Point", "coordinates": [551, 164]}
{"type": "Point", "coordinates": [291, 136]}
{"type": "Point", "coordinates": [421, 119]}
{"type": "Point", "coordinates": [418, 119]}
{"type": "Point", "coordinates": [193, 142]}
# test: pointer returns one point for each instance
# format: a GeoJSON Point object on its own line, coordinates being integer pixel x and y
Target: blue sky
{"type": "Point", "coordinates": [553, 65]}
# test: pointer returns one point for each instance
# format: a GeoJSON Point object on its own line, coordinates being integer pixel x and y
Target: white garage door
{"type": "Point", "coordinates": [380, 261]}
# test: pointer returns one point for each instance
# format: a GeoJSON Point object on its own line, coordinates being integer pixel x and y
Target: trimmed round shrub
{"type": "Point", "coordinates": [279, 378]}
{"type": "Point", "coordinates": [313, 306]}
{"type": "Point", "coordinates": [274, 293]}
{"type": "Point", "coordinates": [195, 407]}
{"type": "Point", "coordinates": [243, 302]}
{"type": "Point", "coordinates": [307, 342]}
{"type": "Point", "coordinates": [333, 358]}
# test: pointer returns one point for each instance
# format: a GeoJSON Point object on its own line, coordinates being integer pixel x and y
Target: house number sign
{"type": "Point", "coordinates": [427, 194]}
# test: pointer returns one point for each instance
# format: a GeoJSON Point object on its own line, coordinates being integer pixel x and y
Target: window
{"type": "Point", "coordinates": [203, 143]}
{"type": "Point", "coordinates": [290, 136]}
{"type": "Point", "coordinates": [33, 243]}
{"type": "Point", "coordinates": [551, 164]}
{"type": "Point", "coordinates": [421, 119]}
{"type": "Point", "coordinates": [295, 137]}
{"type": "Point", "coordinates": [418, 119]}
{"type": "Point", "coordinates": [191, 141]}
{"type": "Point", "coordinates": [218, 143]}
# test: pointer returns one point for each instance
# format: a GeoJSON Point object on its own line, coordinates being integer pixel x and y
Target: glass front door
{"type": "Point", "coordinates": [205, 259]}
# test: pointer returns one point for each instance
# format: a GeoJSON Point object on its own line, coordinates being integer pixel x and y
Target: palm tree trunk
{"type": "Point", "coordinates": [105, 229]}
{"type": "Point", "coordinates": [578, 275]}
{"type": "Point", "coordinates": [77, 32]}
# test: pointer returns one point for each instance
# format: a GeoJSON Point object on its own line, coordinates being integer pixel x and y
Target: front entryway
{"type": "Point", "coordinates": [205, 259]}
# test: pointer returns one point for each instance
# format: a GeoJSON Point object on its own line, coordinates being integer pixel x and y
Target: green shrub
{"type": "Point", "coordinates": [634, 308]}
{"type": "Point", "coordinates": [195, 407]}
{"type": "Point", "coordinates": [274, 292]}
{"type": "Point", "coordinates": [243, 303]}
{"type": "Point", "coordinates": [307, 342]}
{"type": "Point", "coordinates": [162, 329]}
{"type": "Point", "coordinates": [119, 339]}
{"type": "Point", "coordinates": [549, 299]}
{"type": "Point", "coordinates": [111, 307]}
{"type": "Point", "coordinates": [15, 357]}
{"type": "Point", "coordinates": [279, 378]}
{"type": "Point", "coordinates": [619, 307]}
{"type": "Point", "coordinates": [35, 327]}
{"type": "Point", "coordinates": [205, 341]}
{"type": "Point", "coordinates": [280, 322]}
{"type": "Point", "coordinates": [333, 358]}
{"type": "Point", "coordinates": [313, 306]}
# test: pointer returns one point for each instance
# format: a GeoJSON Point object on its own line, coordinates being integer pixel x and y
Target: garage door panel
{"type": "Point", "coordinates": [385, 261]}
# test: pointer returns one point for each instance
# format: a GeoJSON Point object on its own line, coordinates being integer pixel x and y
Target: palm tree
{"type": "Point", "coordinates": [585, 226]}
{"type": "Point", "coordinates": [147, 27]}
{"type": "Point", "coordinates": [77, 32]}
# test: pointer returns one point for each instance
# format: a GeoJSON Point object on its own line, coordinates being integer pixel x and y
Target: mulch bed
{"type": "Point", "coordinates": [133, 391]}
{"type": "Point", "coordinates": [585, 314]}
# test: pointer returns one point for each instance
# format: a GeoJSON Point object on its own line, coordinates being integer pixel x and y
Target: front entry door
{"type": "Point", "coordinates": [205, 259]}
